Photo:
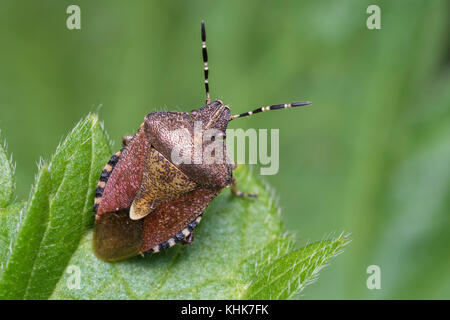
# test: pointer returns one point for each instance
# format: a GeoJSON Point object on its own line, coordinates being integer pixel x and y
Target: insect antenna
{"type": "Point", "coordinates": [205, 62]}
{"type": "Point", "coordinates": [273, 107]}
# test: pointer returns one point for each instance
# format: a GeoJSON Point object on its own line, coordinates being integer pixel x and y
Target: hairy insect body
{"type": "Point", "coordinates": [163, 201]}
{"type": "Point", "coordinates": [146, 202]}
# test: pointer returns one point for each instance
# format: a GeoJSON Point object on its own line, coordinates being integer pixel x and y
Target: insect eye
{"type": "Point", "coordinates": [194, 114]}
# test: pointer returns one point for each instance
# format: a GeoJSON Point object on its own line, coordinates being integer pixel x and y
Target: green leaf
{"type": "Point", "coordinates": [237, 243]}
{"type": "Point", "coordinates": [19, 266]}
{"type": "Point", "coordinates": [6, 179]}
{"type": "Point", "coordinates": [240, 252]}
{"type": "Point", "coordinates": [10, 220]}
{"type": "Point", "coordinates": [56, 216]}
{"type": "Point", "coordinates": [288, 275]}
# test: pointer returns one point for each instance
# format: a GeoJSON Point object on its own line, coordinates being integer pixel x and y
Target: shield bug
{"type": "Point", "coordinates": [145, 200]}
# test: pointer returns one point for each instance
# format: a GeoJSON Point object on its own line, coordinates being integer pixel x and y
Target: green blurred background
{"type": "Point", "coordinates": [371, 157]}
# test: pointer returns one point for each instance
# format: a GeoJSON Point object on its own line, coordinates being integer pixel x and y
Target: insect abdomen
{"type": "Point", "coordinates": [179, 237]}
{"type": "Point", "coordinates": [106, 173]}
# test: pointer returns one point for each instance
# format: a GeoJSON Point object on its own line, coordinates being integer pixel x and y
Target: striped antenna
{"type": "Point", "coordinates": [205, 62]}
{"type": "Point", "coordinates": [268, 108]}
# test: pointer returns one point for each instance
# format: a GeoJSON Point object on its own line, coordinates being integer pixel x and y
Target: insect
{"type": "Point", "coordinates": [145, 202]}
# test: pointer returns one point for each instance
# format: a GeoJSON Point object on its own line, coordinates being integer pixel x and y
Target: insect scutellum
{"type": "Point", "coordinates": [248, 113]}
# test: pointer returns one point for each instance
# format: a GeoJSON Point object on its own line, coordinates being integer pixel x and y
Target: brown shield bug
{"type": "Point", "coordinates": [146, 202]}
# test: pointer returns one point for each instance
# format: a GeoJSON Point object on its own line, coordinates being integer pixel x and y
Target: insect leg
{"type": "Point", "coordinates": [236, 192]}
{"type": "Point", "coordinates": [188, 240]}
